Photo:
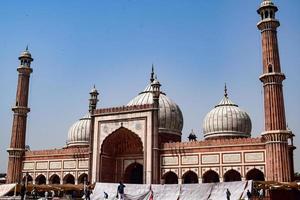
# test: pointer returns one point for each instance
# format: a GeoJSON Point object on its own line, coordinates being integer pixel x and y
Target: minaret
{"type": "Point", "coordinates": [155, 124]}
{"type": "Point", "coordinates": [92, 107]}
{"type": "Point", "coordinates": [17, 144]}
{"type": "Point", "coordinates": [275, 134]}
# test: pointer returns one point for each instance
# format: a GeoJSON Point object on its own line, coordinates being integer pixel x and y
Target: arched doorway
{"type": "Point", "coordinates": [40, 180]}
{"type": "Point", "coordinates": [170, 178]}
{"type": "Point", "coordinates": [134, 173]}
{"type": "Point", "coordinates": [119, 146]}
{"type": "Point", "coordinates": [190, 177]}
{"type": "Point", "coordinates": [83, 177]}
{"type": "Point", "coordinates": [232, 175]}
{"type": "Point", "coordinates": [29, 179]}
{"type": "Point", "coordinates": [210, 177]}
{"type": "Point", "coordinates": [54, 179]}
{"type": "Point", "coordinates": [69, 179]}
{"type": "Point", "coordinates": [255, 174]}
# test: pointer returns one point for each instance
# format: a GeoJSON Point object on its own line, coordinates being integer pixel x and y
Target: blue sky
{"type": "Point", "coordinates": [195, 46]}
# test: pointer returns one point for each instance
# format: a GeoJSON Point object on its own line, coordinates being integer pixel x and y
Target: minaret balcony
{"type": "Point", "coordinates": [272, 78]}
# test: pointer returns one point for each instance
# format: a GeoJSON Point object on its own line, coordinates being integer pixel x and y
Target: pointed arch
{"type": "Point", "coordinates": [190, 177]}
{"type": "Point", "coordinates": [29, 179]}
{"type": "Point", "coordinates": [210, 176]}
{"type": "Point", "coordinates": [232, 175]}
{"type": "Point", "coordinates": [54, 179]}
{"type": "Point", "coordinates": [255, 174]}
{"type": "Point", "coordinates": [120, 143]}
{"type": "Point", "coordinates": [69, 179]}
{"type": "Point", "coordinates": [83, 177]}
{"type": "Point", "coordinates": [134, 173]}
{"type": "Point", "coordinates": [40, 180]}
{"type": "Point", "coordinates": [170, 178]}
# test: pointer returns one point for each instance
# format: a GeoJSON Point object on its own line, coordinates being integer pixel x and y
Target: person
{"type": "Point", "coordinates": [121, 190]}
{"type": "Point", "coordinates": [23, 191]}
{"type": "Point", "coordinates": [88, 193]}
{"type": "Point", "coordinates": [46, 195]}
{"type": "Point", "coordinates": [249, 195]}
{"type": "Point", "coordinates": [105, 195]}
{"type": "Point", "coordinates": [33, 193]}
{"type": "Point", "coordinates": [261, 194]}
{"type": "Point", "coordinates": [228, 194]}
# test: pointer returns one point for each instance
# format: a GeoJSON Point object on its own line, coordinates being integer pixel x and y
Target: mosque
{"type": "Point", "coordinates": [141, 142]}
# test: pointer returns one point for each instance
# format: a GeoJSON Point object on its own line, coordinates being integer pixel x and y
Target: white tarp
{"type": "Point", "coordinates": [163, 192]}
{"type": "Point", "coordinates": [132, 191]}
{"type": "Point", "coordinates": [6, 188]}
{"type": "Point", "coordinates": [195, 191]}
{"type": "Point", "coordinates": [236, 189]}
{"type": "Point", "coordinates": [205, 191]}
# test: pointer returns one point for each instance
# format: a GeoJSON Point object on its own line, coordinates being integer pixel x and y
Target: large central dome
{"type": "Point", "coordinates": [170, 115]}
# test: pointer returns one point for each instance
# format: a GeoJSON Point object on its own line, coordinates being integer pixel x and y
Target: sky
{"type": "Point", "coordinates": [196, 46]}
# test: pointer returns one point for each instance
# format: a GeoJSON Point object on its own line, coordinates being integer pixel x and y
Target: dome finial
{"type": "Point", "coordinates": [26, 48]}
{"type": "Point", "coordinates": [225, 91]}
{"type": "Point", "coordinates": [152, 74]}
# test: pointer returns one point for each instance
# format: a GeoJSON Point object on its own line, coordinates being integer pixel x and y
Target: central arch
{"type": "Point", "coordinates": [119, 147]}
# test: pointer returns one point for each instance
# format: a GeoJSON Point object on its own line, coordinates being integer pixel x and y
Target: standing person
{"type": "Point", "coordinates": [228, 194]}
{"type": "Point", "coordinates": [23, 191]}
{"type": "Point", "coordinates": [88, 193]}
{"type": "Point", "coordinates": [261, 194]}
{"type": "Point", "coordinates": [249, 195]}
{"type": "Point", "coordinates": [33, 193]}
{"type": "Point", "coordinates": [121, 190]}
{"type": "Point", "coordinates": [46, 195]}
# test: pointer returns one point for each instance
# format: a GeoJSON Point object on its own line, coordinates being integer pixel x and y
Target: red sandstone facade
{"type": "Point", "coordinates": [127, 143]}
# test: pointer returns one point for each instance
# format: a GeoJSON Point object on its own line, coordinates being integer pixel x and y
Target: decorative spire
{"type": "Point", "coordinates": [225, 91]}
{"type": "Point", "coordinates": [152, 74]}
{"type": "Point", "coordinates": [26, 48]}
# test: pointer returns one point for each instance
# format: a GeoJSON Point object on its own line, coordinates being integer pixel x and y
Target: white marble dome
{"type": "Point", "coordinates": [79, 132]}
{"type": "Point", "coordinates": [170, 115]}
{"type": "Point", "coordinates": [226, 120]}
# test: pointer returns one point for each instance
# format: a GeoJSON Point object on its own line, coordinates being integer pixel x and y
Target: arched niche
{"type": "Point", "coordinates": [40, 180]}
{"type": "Point", "coordinates": [170, 178]}
{"type": "Point", "coordinates": [54, 179]}
{"type": "Point", "coordinates": [210, 176]}
{"type": "Point", "coordinates": [232, 175]}
{"type": "Point", "coordinates": [190, 177]}
{"type": "Point", "coordinates": [83, 177]}
{"type": "Point", "coordinates": [134, 173]}
{"type": "Point", "coordinates": [69, 179]}
{"type": "Point", "coordinates": [255, 175]}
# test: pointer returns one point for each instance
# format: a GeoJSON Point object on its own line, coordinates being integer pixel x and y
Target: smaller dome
{"type": "Point", "coordinates": [25, 53]}
{"type": "Point", "coordinates": [94, 90]}
{"type": "Point", "coordinates": [226, 120]}
{"type": "Point", "coordinates": [267, 3]}
{"type": "Point", "coordinates": [79, 132]}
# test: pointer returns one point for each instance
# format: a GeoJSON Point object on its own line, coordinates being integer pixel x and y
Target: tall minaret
{"type": "Point", "coordinates": [18, 135]}
{"type": "Point", "coordinates": [275, 134]}
{"type": "Point", "coordinates": [155, 132]}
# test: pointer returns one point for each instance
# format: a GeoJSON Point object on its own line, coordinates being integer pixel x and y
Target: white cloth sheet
{"type": "Point", "coordinates": [195, 191]}
{"type": "Point", "coordinates": [206, 191]}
